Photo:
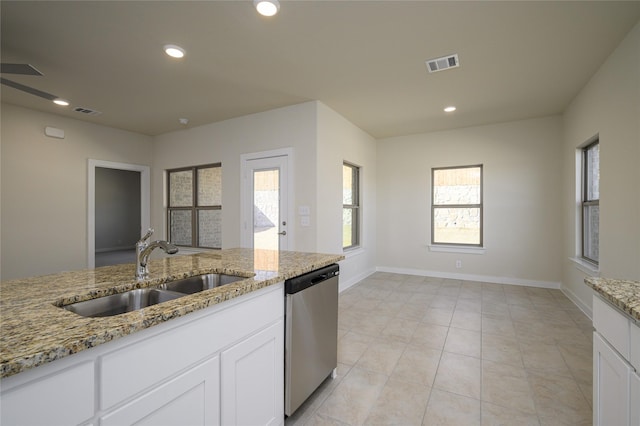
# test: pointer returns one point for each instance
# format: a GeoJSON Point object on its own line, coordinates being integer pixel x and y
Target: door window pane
{"type": "Point", "coordinates": [266, 209]}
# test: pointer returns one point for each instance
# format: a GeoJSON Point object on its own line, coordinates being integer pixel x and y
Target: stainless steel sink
{"type": "Point", "coordinates": [200, 283]}
{"type": "Point", "coordinates": [133, 300]}
{"type": "Point", "coordinates": [116, 304]}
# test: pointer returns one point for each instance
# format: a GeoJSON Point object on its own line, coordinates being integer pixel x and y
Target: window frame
{"type": "Point", "coordinates": [585, 201]}
{"type": "Point", "coordinates": [355, 207]}
{"type": "Point", "coordinates": [479, 206]}
{"type": "Point", "coordinates": [194, 208]}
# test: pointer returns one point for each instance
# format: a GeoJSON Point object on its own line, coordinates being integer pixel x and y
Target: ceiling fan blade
{"type": "Point", "coordinates": [24, 69]}
{"type": "Point", "coordinates": [28, 89]}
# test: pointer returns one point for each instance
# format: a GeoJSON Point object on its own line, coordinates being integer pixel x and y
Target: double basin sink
{"type": "Point", "coordinates": [140, 298]}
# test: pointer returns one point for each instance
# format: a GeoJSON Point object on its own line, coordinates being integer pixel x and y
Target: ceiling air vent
{"type": "Point", "coordinates": [86, 111]}
{"type": "Point", "coordinates": [444, 63]}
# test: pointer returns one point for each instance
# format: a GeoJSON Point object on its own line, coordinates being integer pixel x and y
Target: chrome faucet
{"type": "Point", "coordinates": [144, 249]}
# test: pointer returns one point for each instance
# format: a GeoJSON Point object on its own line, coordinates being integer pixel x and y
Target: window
{"type": "Point", "coordinates": [350, 206]}
{"type": "Point", "coordinates": [456, 205]}
{"type": "Point", "coordinates": [194, 215]}
{"type": "Point", "coordinates": [591, 202]}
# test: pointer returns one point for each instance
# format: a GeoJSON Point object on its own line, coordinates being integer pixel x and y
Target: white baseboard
{"type": "Point", "coordinates": [471, 277]}
{"type": "Point", "coordinates": [576, 301]}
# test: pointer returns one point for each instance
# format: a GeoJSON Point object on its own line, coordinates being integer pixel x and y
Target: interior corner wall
{"type": "Point", "coordinates": [225, 142]}
{"type": "Point", "coordinates": [44, 187]}
{"type": "Point", "coordinates": [338, 141]}
{"type": "Point", "coordinates": [521, 201]}
{"type": "Point", "coordinates": [608, 106]}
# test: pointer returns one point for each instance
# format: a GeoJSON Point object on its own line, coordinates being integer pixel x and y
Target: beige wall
{"type": "Point", "coordinates": [44, 187]}
{"type": "Point", "coordinates": [522, 216]}
{"type": "Point", "coordinates": [609, 105]}
{"type": "Point", "coordinates": [339, 141]}
{"type": "Point", "coordinates": [224, 142]}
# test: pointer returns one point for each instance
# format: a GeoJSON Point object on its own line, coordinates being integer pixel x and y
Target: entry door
{"type": "Point", "coordinates": [265, 208]}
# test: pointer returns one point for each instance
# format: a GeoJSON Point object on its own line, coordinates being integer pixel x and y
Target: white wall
{"type": "Point", "coordinates": [224, 142]}
{"type": "Point", "coordinates": [339, 141]}
{"type": "Point", "coordinates": [609, 105]}
{"type": "Point", "coordinates": [44, 187]}
{"type": "Point", "coordinates": [522, 216]}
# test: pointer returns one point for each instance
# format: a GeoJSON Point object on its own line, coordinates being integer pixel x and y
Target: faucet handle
{"type": "Point", "coordinates": [146, 236]}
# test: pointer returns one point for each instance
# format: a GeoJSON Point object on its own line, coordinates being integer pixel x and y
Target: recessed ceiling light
{"type": "Point", "coordinates": [450, 109]}
{"type": "Point", "coordinates": [267, 7]}
{"type": "Point", "coordinates": [174, 51]}
{"type": "Point", "coordinates": [61, 102]}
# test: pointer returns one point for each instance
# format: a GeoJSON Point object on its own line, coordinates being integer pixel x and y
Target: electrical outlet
{"type": "Point", "coordinates": [458, 264]}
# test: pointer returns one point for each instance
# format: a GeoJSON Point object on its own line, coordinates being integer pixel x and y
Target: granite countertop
{"type": "Point", "coordinates": [34, 330]}
{"type": "Point", "coordinates": [622, 293]}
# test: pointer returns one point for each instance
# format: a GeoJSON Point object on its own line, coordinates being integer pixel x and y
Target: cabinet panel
{"type": "Point", "coordinates": [191, 398]}
{"type": "Point", "coordinates": [635, 398]}
{"type": "Point", "coordinates": [40, 402]}
{"type": "Point", "coordinates": [253, 379]}
{"type": "Point", "coordinates": [611, 376]}
{"type": "Point", "coordinates": [136, 367]}
{"type": "Point", "coordinates": [611, 325]}
{"type": "Point", "coordinates": [634, 350]}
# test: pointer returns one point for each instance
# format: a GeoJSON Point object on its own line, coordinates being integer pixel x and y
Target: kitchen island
{"type": "Point", "coordinates": [121, 362]}
{"type": "Point", "coordinates": [616, 351]}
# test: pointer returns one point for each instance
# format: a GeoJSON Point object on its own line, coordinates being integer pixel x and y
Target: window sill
{"type": "Point", "coordinates": [456, 249]}
{"type": "Point", "coordinates": [586, 267]}
{"type": "Point", "coordinates": [354, 251]}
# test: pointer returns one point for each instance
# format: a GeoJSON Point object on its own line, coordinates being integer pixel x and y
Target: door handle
{"type": "Point", "coordinates": [282, 233]}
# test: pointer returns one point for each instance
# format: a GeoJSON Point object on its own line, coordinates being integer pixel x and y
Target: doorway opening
{"type": "Point", "coordinates": [118, 211]}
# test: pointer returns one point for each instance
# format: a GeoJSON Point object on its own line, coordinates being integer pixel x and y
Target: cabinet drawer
{"type": "Point", "coordinates": [183, 342]}
{"type": "Point", "coordinates": [612, 325]}
{"type": "Point", "coordinates": [62, 398]}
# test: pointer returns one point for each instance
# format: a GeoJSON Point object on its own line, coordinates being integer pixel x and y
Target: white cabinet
{"type": "Point", "coordinates": [611, 377]}
{"type": "Point", "coordinates": [253, 379]}
{"type": "Point", "coordinates": [191, 398]}
{"type": "Point", "coordinates": [635, 400]}
{"type": "Point", "coordinates": [616, 384]}
{"type": "Point", "coordinates": [64, 396]}
{"type": "Point", "coordinates": [220, 364]}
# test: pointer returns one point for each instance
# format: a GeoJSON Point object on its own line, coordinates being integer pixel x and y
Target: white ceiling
{"type": "Point", "coordinates": [364, 59]}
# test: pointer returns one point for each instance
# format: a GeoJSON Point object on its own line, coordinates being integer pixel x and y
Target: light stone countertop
{"type": "Point", "coordinates": [34, 330]}
{"type": "Point", "coordinates": [623, 294]}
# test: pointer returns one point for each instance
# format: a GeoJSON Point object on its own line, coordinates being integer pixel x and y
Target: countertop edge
{"type": "Point", "coordinates": [623, 294]}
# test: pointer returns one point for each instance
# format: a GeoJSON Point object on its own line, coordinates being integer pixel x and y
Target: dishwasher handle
{"type": "Point", "coordinates": [297, 284]}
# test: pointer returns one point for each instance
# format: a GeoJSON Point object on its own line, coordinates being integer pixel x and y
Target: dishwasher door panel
{"type": "Point", "coordinates": [311, 343]}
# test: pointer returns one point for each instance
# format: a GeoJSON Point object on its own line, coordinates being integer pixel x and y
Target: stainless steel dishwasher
{"type": "Point", "coordinates": [311, 333]}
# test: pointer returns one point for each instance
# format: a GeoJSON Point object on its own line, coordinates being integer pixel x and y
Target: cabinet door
{"type": "Point", "coordinates": [62, 398]}
{"type": "Point", "coordinates": [635, 399]}
{"type": "Point", "coordinates": [253, 379]}
{"type": "Point", "coordinates": [611, 379]}
{"type": "Point", "coordinates": [191, 398]}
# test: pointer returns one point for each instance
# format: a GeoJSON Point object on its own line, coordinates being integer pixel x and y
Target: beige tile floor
{"type": "Point", "coordinates": [431, 351]}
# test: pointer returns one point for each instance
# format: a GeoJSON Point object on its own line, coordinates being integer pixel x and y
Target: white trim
{"type": "Point", "coordinates": [345, 285]}
{"type": "Point", "coordinates": [469, 277]}
{"type": "Point", "coordinates": [576, 301]}
{"type": "Point", "coordinates": [145, 200]}
{"type": "Point", "coordinates": [456, 249]}
{"type": "Point", "coordinates": [246, 210]}
{"type": "Point", "coordinates": [586, 267]}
